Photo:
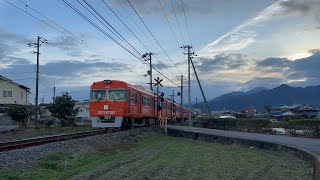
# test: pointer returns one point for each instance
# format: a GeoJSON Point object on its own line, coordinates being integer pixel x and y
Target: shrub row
{"type": "Point", "coordinates": [306, 127]}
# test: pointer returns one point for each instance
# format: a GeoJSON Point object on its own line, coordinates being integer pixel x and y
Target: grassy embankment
{"type": "Point", "coordinates": [149, 155]}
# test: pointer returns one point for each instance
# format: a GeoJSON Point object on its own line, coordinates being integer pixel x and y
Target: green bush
{"type": "Point", "coordinates": [296, 127]}
{"type": "Point", "coordinates": [69, 121]}
{"type": "Point", "coordinates": [62, 108]}
{"type": "Point", "coordinates": [19, 113]}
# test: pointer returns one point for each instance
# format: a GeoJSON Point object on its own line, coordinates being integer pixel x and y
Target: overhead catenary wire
{"type": "Point", "coordinates": [108, 35]}
{"type": "Point", "coordinates": [126, 25]}
{"type": "Point", "coordinates": [79, 13]}
{"type": "Point", "coordinates": [165, 14]}
{"type": "Point", "coordinates": [175, 15]}
{"type": "Point", "coordinates": [70, 34]}
{"type": "Point", "coordinates": [185, 18]}
{"type": "Point", "coordinates": [109, 26]}
{"type": "Point", "coordinates": [81, 42]}
{"type": "Point", "coordinates": [134, 34]}
{"type": "Point", "coordinates": [153, 36]}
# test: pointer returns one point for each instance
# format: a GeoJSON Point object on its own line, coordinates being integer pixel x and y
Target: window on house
{"type": "Point", "coordinates": [7, 93]}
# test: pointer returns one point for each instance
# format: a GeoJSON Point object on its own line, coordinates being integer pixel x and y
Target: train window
{"type": "Point", "coordinates": [97, 95]}
{"type": "Point", "coordinates": [146, 101]}
{"type": "Point", "coordinates": [117, 94]}
{"type": "Point", "coordinates": [164, 105]}
{"type": "Point", "coordinates": [132, 96]}
{"type": "Point", "coordinates": [137, 99]}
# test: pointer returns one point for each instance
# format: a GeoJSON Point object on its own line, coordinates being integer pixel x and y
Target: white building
{"type": "Point", "coordinates": [12, 92]}
{"type": "Point", "coordinates": [83, 115]}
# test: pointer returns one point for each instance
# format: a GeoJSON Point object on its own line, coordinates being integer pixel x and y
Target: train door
{"type": "Point", "coordinates": [128, 100]}
{"type": "Point", "coordinates": [139, 103]}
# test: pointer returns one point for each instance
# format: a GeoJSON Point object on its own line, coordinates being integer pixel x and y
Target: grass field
{"type": "Point", "coordinates": [150, 155]}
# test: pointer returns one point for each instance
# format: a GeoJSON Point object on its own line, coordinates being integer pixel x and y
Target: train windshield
{"type": "Point", "coordinates": [98, 95]}
{"type": "Point", "coordinates": [117, 94]}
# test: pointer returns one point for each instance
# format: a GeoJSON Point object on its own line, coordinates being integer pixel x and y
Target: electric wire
{"type": "Point", "coordinates": [74, 37]}
{"type": "Point", "coordinates": [153, 36]}
{"type": "Point", "coordinates": [165, 14]}
{"type": "Point", "coordinates": [185, 18]}
{"type": "Point", "coordinates": [175, 15]}
{"type": "Point", "coordinates": [79, 13]}
{"type": "Point", "coordinates": [136, 36]}
{"type": "Point", "coordinates": [70, 6]}
{"type": "Point", "coordinates": [113, 30]}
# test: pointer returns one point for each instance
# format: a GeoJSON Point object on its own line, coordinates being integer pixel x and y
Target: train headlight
{"type": "Point", "coordinates": [107, 81]}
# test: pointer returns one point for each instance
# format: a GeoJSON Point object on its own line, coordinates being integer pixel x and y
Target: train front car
{"type": "Point", "coordinates": [108, 100]}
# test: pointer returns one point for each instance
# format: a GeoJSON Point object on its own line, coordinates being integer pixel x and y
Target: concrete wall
{"type": "Point", "coordinates": [310, 157]}
{"type": "Point", "coordinates": [16, 94]}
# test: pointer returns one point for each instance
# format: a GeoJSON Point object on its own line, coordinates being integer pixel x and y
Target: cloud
{"type": "Point", "coordinates": [300, 6]}
{"type": "Point", "coordinates": [246, 34]}
{"type": "Point", "coordinates": [221, 62]}
{"type": "Point", "coordinates": [268, 82]}
{"type": "Point", "coordinates": [67, 44]}
{"type": "Point", "coordinates": [241, 36]}
{"type": "Point", "coordinates": [274, 62]}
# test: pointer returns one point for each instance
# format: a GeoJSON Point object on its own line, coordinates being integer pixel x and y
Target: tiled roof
{"type": "Point", "coordinates": [10, 81]}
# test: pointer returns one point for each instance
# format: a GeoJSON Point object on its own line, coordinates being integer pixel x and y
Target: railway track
{"type": "Point", "coordinates": [23, 143]}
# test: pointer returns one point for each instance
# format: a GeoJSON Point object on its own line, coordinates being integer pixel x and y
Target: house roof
{"type": "Point", "coordinates": [12, 82]}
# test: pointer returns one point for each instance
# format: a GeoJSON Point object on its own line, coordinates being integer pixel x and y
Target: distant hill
{"type": "Point", "coordinates": [259, 97]}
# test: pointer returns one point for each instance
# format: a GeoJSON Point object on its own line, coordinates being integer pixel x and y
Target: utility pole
{"type": "Point", "coordinates": [147, 57]}
{"type": "Point", "coordinates": [172, 103]}
{"type": "Point", "coordinates": [189, 53]}
{"type": "Point", "coordinates": [196, 102]}
{"type": "Point", "coordinates": [37, 45]}
{"type": "Point", "coordinates": [181, 101]}
{"type": "Point", "coordinates": [204, 97]}
{"type": "Point", "coordinates": [54, 93]}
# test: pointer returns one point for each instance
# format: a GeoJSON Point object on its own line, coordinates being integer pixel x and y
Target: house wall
{"type": "Point", "coordinates": [83, 111]}
{"type": "Point", "coordinates": [16, 94]}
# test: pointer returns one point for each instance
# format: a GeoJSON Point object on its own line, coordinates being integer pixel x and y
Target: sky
{"type": "Point", "coordinates": [240, 44]}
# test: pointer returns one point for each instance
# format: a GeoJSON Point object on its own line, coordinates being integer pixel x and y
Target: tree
{"type": "Point", "coordinates": [19, 113]}
{"type": "Point", "coordinates": [63, 108]}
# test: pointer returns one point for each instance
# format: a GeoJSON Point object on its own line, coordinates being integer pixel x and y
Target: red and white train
{"type": "Point", "coordinates": [116, 103]}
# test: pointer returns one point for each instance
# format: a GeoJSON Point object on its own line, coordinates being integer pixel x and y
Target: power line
{"type": "Point", "coordinates": [105, 33]}
{"type": "Point", "coordinates": [175, 15]}
{"type": "Point", "coordinates": [79, 13]}
{"type": "Point", "coordinates": [112, 30]}
{"type": "Point", "coordinates": [185, 18]}
{"type": "Point", "coordinates": [135, 35]}
{"type": "Point", "coordinates": [153, 36]}
{"type": "Point", "coordinates": [169, 23]}
{"type": "Point", "coordinates": [126, 26]}
{"type": "Point", "coordinates": [74, 36]}
{"type": "Point", "coordinates": [81, 42]}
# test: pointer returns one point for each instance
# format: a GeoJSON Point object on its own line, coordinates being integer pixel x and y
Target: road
{"type": "Point", "coordinates": [309, 144]}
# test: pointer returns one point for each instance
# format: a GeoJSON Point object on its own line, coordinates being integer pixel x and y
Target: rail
{"type": "Point", "coordinates": [23, 143]}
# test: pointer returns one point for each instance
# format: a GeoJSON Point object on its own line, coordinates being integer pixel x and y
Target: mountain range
{"type": "Point", "coordinates": [259, 97]}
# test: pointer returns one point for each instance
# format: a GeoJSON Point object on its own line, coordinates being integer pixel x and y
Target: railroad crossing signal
{"type": "Point", "coordinates": [158, 81]}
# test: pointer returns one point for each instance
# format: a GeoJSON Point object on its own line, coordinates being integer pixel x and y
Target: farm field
{"type": "Point", "coordinates": [146, 154]}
